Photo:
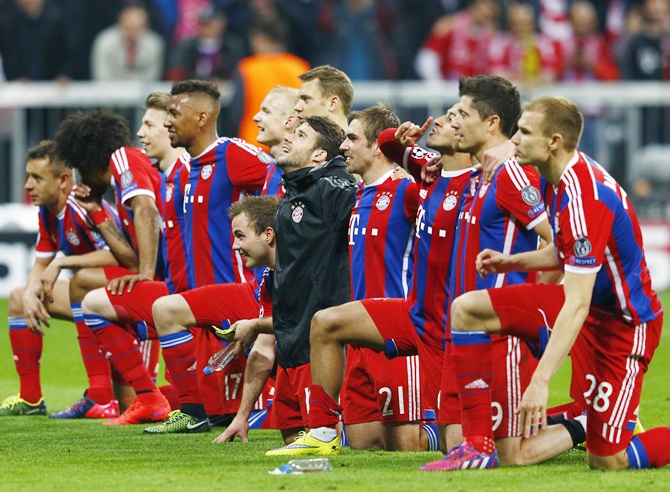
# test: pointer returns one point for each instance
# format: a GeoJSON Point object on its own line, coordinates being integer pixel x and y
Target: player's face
{"type": "Point", "coordinates": [441, 136]}
{"type": "Point", "coordinates": [253, 248]}
{"type": "Point", "coordinates": [532, 146]}
{"type": "Point", "coordinates": [181, 121]}
{"type": "Point", "coordinates": [355, 148]}
{"type": "Point", "coordinates": [153, 135]}
{"type": "Point", "coordinates": [272, 118]}
{"type": "Point", "coordinates": [299, 148]}
{"type": "Point", "coordinates": [470, 130]}
{"type": "Point", "coordinates": [311, 102]}
{"type": "Point", "coordinates": [42, 185]}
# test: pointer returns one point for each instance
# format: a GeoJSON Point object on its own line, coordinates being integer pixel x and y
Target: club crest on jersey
{"type": "Point", "coordinates": [206, 171]}
{"type": "Point", "coordinates": [473, 186]}
{"type": "Point", "coordinates": [126, 179]}
{"type": "Point", "coordinates": [582, 247]}
{"type": "Point", "coordinates": [96, 236]}
{"type": "Point", "coordinates": [383, 201]}
{"type": "Point", "coordinates": [423, 193]}
{"type": "Point", "coordinates": [450, 201]}
{"type": "Point", "coordinates": [72, 238]}
{"type": "Point", "coordinates": [169, 191]}
{"type": "Point", "coordinates": [530, 195]}
{"type": "Point", "coordinates": [298, 212]}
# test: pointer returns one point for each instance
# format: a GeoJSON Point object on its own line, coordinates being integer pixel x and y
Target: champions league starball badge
{"type": "Point", "coordinates": [126, 179]}
{"type": "Point", "coordinates": [582, 247]}
{"type": "Point", "coordinates": [530, 195]}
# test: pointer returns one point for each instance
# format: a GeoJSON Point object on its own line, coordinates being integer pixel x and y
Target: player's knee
{"type": "Point", "coordinates": [325, 325]}
{"type": "Point", "coordinates": [15, 302]}
{"type": "Point", "coordinates": [161, 312]}
{"type": "Point", "coordinates": [460, 315]}
{"type": "Point", "coordinates": [92, 302]}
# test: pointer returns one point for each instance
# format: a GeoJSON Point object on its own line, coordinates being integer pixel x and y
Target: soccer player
{"type": "Point", "coordinates": [222, 170]}
{"type": "Point", "coordinates": [325, 91]}
{"type": "Point", "coordinates": [312, 258]}
{"type": "Point", "coordinates": [381, 398]}
{"type": "Point", "coordinates": [99, 145]}
{"type": "Point", "coordinates": [605, 313]}
{"type": "Point", "coordinates": [120, 320]}
{"type": "Point", "coordinates": [395, 326]}
{"type": "Point", "coordinates": [63, 226]}
{"type": "Point", "coordinates": [275, 120]}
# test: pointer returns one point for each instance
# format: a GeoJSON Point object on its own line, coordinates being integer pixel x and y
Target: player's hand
{"type": "Point", "coordinates": [431, 170]}
{"type": "Point", "coordinates": [34, 312]}
{"type": "Point", "coordinates": [400, 173]}
{"type": "Point", "coordinates": [87, 201]}
{"type": "Point", "coordinates": [408, 134]}
{"type": "Point", "coordinates": [533, 409]}
{"type": "Point", "coordinates": [245, 334]}
{"type": "Point", "coordinates": [49, 277]}
{"type": "Point", "coordinates": [127, 282]}
{"type": "Point", "coordinates": [494, 157]}
{"type": "Point", "coordinates": [237, 428]}
{"type": "Point", "coordinates": [490, 261]}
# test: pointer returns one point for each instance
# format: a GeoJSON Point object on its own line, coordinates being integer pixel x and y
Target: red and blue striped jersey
{"type": "Point", "coordinates": [381, 238]}
{"type": "Point", "coordinates": [435, 224]}
{"type": "Point", "coordinates": [273, 179]}
{"type": "Point", "coordinates": [596, 231]}
{"type": "Point", "coordinates": [219, 176]}
{"type": "Point", "coordinates": [500, 216]}
{"type": "Point", "coordinates": [133, 175]}
{"type": "Point", "coordinates": [265, 293]}
{"type": "Point", "coordinates": [71, 231]}
{"type": "Point", "coordinates": [174, 245]}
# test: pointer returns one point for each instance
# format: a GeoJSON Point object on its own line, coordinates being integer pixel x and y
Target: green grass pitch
{"type": "Point", "coordinates": [37, 453]}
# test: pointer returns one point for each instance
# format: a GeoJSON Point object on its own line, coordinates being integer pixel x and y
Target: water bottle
{"type": "Point", "coordinates": [220, 359]}
{"type": "Point", "coordinates": [305, 466]}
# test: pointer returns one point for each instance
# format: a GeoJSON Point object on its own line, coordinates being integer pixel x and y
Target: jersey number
{"type": "Point", "coordinates": [601, 401]}
{"type": "Point", "coordinates": [386, 411]}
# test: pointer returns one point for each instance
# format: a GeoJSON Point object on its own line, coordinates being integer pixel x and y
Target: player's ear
{"type": "Point", "coordinates": [291, 122]}
{"type": "Point", "coordinates": [555, 141]}
{"type": "Point", "coordinates": [319, 156]}
{"type": "Point", "coordinates": [494, 123]}
{"type": "Point", "coordinates": [269, 235]}
{"type": "Point", "coordinates": [334, 103]}
{"type": "Point", "coordinates": [203, 118]}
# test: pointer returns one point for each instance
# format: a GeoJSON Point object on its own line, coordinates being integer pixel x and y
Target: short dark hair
{"type": "Point", "coordinates": [260, 210]}
{"type": "Point", "coordinates": [329, 135]}
{"type": "Point", "coordinates": [196, 87]}
{"type": "Point", "coordinates": [332, 82]}
{"type": "Point", "coordinates": [87, 141]}
{"type": "Point", "coordinates": [46, 148]}
{"type": "Point", "coordinates": [375, 120]}
{"type": "Point", "coordinates": [493, 95]}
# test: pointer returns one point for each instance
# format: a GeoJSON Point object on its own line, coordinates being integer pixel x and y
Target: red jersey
{"type": "Point", "coordinates": [174, 247]}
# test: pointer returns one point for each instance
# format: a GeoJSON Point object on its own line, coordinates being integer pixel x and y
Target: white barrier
{"type": "Point", "coordinates": [17, 248]}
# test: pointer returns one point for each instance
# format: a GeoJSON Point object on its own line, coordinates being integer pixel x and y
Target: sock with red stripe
{"type": "Point", "coordinates": [650, 449]}
{"type": "Point", "coordinates": [97, 367]}
{"type": "Point", "coordinates": [323, 410]}
{"type": "Point", "coordinates": [122, 349]}
{"type": "Point", "coordinates": [27, 351]}
{"type": "Point", "coordinates": [179, 353]}
{"type": "Point", "coordinates": [473, 360]}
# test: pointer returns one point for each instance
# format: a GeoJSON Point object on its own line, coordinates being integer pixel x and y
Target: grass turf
{"type": "Point", "coordinates": [37, 453]}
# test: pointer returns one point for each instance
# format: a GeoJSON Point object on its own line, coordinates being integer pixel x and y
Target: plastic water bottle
{"type": "Point", "coordinates": [220, 359]}
{"type": "Point", "coordinates": [305, 466]}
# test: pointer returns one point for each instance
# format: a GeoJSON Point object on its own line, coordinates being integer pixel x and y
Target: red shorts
{"type": "Point", "coordinates": [290, 408]}
{"type": "Point", "coordinates": [221, 391]}
{"type": "Point", "coordinates": [112, 272]}
{"type": "Point", "coordinates": [134, 308]}
{"type": "Point", "coordinates": [391, 317]}
{"type": "Point", "coordinates": [609, 358]}
{"type": "Point", "coordinates": [376, 388]}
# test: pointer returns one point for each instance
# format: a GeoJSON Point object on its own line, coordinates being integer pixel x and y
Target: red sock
{"type": "Point", "coordinates": [123, 352]}
{"type": "Point", "coordinates": [97, 367]}
{"type": "Point", "coordinates": [179, 353]}
{"type": "Point", "coordinates": [151, 353]}
{"type": "Point", "coordinates": [654, 452]}
{"type": "Point", "coordinates": [171, 395]}
{"type": "Point", "coordinates": [323, 410]}
{"type": "Point", "coordinates": [27, 350]}
{"type": "Point", "coordinates": [474, 366]}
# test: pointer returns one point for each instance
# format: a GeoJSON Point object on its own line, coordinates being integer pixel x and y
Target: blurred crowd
{"type": "Point", "coordinates": [531, 42]}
